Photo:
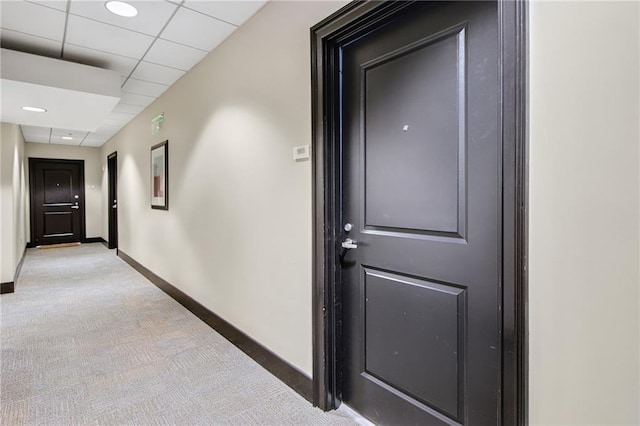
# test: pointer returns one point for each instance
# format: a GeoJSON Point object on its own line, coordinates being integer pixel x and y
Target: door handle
{"type": "Point", "coordinates": [115, 206]}
{"type": "Point", "coordinates": [75, 207]}
{"type": "Point", "coordinates": [349, 244]}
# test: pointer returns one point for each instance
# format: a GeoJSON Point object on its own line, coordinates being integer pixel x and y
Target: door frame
{"type": "Point", "coordinates": [111, 190]}
{"type": "Point", "coordinates": [32, 196]}
{"type": "Point", "coordinates": [327, 36]}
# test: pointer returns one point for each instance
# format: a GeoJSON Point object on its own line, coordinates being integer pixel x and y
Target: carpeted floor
{"type": "Point", "coordinates": [85, 339]}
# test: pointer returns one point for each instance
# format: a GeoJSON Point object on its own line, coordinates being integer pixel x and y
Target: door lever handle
{"type": "Point", "coordinates": [349, 244]}
{"type": "Point", "coordinates": [75, 207]}
{"type": "Point", "coordinates": [115, 206]}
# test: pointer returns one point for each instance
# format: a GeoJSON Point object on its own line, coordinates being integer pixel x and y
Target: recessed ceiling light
{"type": "Point", "coordinates": [68, 138]}
{"type": "Point", "coordinates": [33, 109]}
{"type": "Point", "coordinates": [121, 8]}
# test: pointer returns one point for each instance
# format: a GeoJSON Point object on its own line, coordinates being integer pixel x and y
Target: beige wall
{"type": "Point", "coordinates": [237, 235]}
{"type": "Point", "coordinates": [92, 178]}
{"type": "Point", "coordinates": [12, 200]}
{"type": "Point", "coordinates": [584, 216]}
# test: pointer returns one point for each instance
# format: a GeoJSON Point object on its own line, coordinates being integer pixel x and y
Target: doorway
{"type": "Point", "coordinates": [419, 212]}
{"type": "Point", "coordinates": [112, 167]}
{"type": "Point", "coordinates": [57, 201]}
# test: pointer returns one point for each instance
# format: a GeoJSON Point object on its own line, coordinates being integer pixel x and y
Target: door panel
{"type": "Point", "coordinates": [420, 293]}
{"type": "Point", "coordinates": [410, 325]}
{"type": "Point", "coordinates": [57, 200]}
{"type": "Point", "coordinates": [420, 113]}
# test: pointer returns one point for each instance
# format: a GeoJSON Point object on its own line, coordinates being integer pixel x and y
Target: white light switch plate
{"type": "Point", "coordinates": [301, 152]}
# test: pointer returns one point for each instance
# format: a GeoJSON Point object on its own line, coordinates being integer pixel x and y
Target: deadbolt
{"type": "Point", "coordinates": [348, 227]}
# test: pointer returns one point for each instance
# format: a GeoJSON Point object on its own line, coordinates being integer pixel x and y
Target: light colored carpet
{"type": "Point", "coordinates": [86, 339]}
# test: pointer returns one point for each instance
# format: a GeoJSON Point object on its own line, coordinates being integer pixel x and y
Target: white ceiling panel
{"type": "Point", "coordinates": [29, 43]}
{"type": "Point", "coordinates": [151, 18]}
{"type": "Point", "coordinates": [133, 99]}
{"type": "Point", "coordinates": [140, 87]}
{"type": "Point", "coordinates": [107, 130]}
{"type": "Point", "coordinates": [32, 19]}
{"type": "Point", "coordinates": [96, 35]}
{"type": "Point", "coordinates": [234, 12]}
{"type": "Point", "coordinates": [57, 136]}
{"type": "Point", "coordinates": [128, 109]}
{"type": "Point", "coordinates": [66, 142]}
{"type": "Point", "coordinates": [95, 140]}
{"type": "Point", "coordinates": [55, 4]}
{"type": "Point", "coordinates": [121, 117]}
{"type": "Point", "coordinates": [157, 73]}
{"type": "Point", "coordinates": [196, 30]}
{"type": "Point", "coordinates": [100, 59]}
{"type": "Point", "coordinates": [36, 134]}
{"type": "Point", "coordinates": [174, 55]}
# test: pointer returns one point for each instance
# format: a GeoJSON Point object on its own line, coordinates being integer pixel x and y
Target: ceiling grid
{"type": "Point", "coordinates": [150, 51]}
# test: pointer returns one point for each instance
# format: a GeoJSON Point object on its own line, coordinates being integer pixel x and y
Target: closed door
{"type": "Point", "coordinates": [57, 201]}
{"type": "Point", "coordinates": [421, 211]}
{"type": "Point", "coordinates": [112, 166]}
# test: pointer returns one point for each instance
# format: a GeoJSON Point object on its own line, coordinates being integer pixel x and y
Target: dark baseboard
{"type": "Point", "coordinates": [94, 240]}
{"type": "Point", "coordinates": [270, 361]}
{"type": "Point", "coordinates": [10, 287]}
{"type": "Point", "coordinates": [31, 245]}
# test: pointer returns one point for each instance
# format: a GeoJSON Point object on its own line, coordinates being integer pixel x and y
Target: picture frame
{"type": "Point", "coordinates": [160, 176]}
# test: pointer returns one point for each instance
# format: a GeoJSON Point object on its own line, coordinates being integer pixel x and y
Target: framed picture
{"type": "Point", "coordinates": [160, 176]}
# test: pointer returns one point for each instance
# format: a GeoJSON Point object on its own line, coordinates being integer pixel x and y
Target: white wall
{"type": "Point", "coordinates": [237, 235]}
{"type": "Point", "coordinates": [584, 215]}
{"type": "Point", "coordinates": [12, 200]}
{"type": "Point", "coordinates": [94, 208]}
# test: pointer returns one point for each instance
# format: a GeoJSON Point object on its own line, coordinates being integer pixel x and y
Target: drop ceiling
{"type": "Point", "coordinates": [150, 51]}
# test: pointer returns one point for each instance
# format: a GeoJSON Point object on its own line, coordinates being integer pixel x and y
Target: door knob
{"type": "Point", "coordinates": [349, 244]}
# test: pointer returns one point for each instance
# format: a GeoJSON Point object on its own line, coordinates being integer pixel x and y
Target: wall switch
{"type": "Point", "coordinates": [301, 152]}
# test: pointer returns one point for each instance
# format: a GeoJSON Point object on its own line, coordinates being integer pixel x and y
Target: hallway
{"type": "Point", "coordinates": [88, 340]}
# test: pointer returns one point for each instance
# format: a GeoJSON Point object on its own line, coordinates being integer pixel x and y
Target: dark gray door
{"type": "Point", "coordinates": [112, 166]}
{"type": "Point", "coordinates": [57, 201]}
{"type": "Point", "coordinates": [421, 305]}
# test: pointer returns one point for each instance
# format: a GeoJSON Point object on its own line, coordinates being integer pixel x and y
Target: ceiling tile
{"type": "Point", "coordinates": [133, 99]}
{"type": "Point", "coordinates": [58, 134]}
{"type": "Point", "coordinates": [234, 12]}
{"type": "Point", "coordinates": [95, 140]}
{"type": "Point", "coordinates": [32, 19]}
{"type": "Point", "coordinates": [36, 134]}
{"type": "Point", "coordinates": [121, 117]}
{"type": "Point", "coordinates": [30, 44]}
{"type": "Point", "coordinates": [140, 87]}
{"type": "Point", "coordinates": [66, 142]}
{"type": "Point", "coordinates": [56, 4]}
{"type": "Point", "coordinates": [96, 35]}
{"type": "Point", "coordinates": [107, 130]}
{"type": "Point", "coordinates": [174, 55]}
{"type": "Point", "coordinates": [114, 123]}
{"type": "Point", "coordinates": [151, 17]}
{"type": "Point", "coordinates": [196, 30]}
{"type": "Point", "coordinates": [100, 59]}
{"type": "Point", "coordinates": [128, 109]}
{"type": "Point", "coordinates": [157, 73]}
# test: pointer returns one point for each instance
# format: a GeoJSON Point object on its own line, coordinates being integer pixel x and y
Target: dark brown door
{"type": "Point", "coordinates": [57, 201]}
{"type": "Point", "coordinates": [112, 166]}
{"type": "Point", "coordinates": [420, 265]}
